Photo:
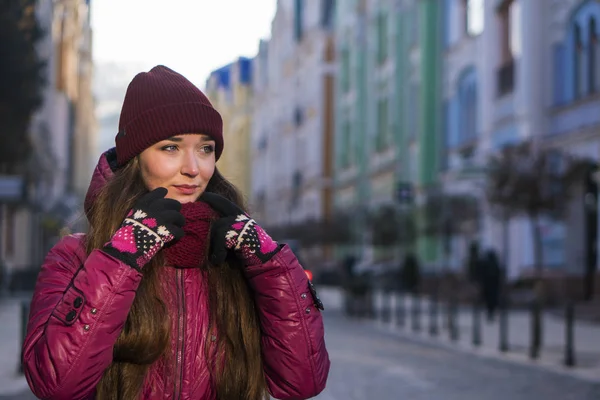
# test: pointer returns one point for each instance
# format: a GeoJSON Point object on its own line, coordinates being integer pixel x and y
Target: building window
{"type": "Point", "coordinates": [382, 38]}
{"type": "Point", "coordinates": [594, 55]}
{"type": "Point", "coordinates": [327, 13]}
{"type": "Point", "coordinates": [413, 110]}
{"type": "Point", "coordinates": [298, 117]}
{"type": "Point", "coordinates": [345, 75]}
{"type": "Point", "coordinates": [514, 26]}
{"type": "Point", "coordinates": [381, 140]}
{"type": "Point", "coordinates": [263, 143]}
{"type": "Point", "coordinates": [467, 99]}
{"type": "Point", "coordinates": [346, 147]}
{"type": "Point", "coordinates": [474, 17]}
{"type": "Point", "coordinates": [452, 122]}
{"type": "Point", "coordinates": [509, 15]}
{"type": "Point", "coordinates": [449, 9]}
{"type": "Point", "coordinates": [296, 188]}
{"type": "Point", "coordinates": [298, 20]}
{"type": "Point", "coordinates": [413, 166]}
{"type": "Point", "coordinates": [559, 74]}
{"type": "Point", "coordinates": [446, 131]}
{"type": "Point", "coordinates": [582, 48]}
{"type": "Point", "coordinates": [580, 64]}
{"type": "Point", "coordinates": [413, 26]}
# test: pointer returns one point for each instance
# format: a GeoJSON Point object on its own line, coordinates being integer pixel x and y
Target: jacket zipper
{"type": "Point", "coordinates": [180, 334]}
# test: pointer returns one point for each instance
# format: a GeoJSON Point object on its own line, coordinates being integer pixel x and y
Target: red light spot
{"type": "Point", "coordinates": [309, 274]}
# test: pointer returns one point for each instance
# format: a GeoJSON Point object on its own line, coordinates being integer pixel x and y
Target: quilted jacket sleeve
{"type": "Point", "coordinates": [77, 312]}
{"type": "Point", "coordinates": [296, 362]}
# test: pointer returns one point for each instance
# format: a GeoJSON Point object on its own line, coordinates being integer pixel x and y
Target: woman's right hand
{"type": "Point", "coordinates": [152, 222]}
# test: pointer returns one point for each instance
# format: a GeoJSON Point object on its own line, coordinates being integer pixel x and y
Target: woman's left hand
{"type": "Point", "coordinates": [238, 232]}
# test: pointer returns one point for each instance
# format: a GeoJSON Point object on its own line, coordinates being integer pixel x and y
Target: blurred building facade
{"type": "Point", "coordinates": [62, 133]}
{"type": "Point", "coordinates": [571, 121]}
{"type": "Point", "coordinates": [537, 76]}
{"type": "Point", "coordinates": [387, 92]}
{"type": "Point", "coordinates": [426, 90]}
{"type": "Point", "coordinates": [230, 90]}
{"type": "Point", "coordinates": [293, 116]}
{"type": "Point", "coordinates": [467, 76]}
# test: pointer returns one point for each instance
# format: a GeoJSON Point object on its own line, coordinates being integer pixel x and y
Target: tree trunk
{"type": "Point", "coordinates": [505, 243]}
{"type": "Point", "coordinates": [536, 328]}
{"type": "Point", "coordinates": [538, 254]}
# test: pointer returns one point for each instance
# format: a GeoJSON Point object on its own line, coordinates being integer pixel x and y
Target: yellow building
{"type": "Point", "coordinates": [74, 74]}
{"type": "Point", "coordinates": [230, 90]}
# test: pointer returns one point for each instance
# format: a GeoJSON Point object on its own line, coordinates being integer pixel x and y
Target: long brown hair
{"type": "Point", "coordinates": [238, 371]}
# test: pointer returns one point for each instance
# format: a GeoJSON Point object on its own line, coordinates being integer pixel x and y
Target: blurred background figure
{"type": "Point", "coordinates": [490, 275]}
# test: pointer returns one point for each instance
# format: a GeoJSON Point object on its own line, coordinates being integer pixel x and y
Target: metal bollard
{"type": "Point", "coordinates": [476, 325]}
{"type": "Point", "coordinates": [570, 335]}
{"type": "Point", "coordinates": [448, 319]}
{"type": "Point", "coordinates": [400, 310]}
{"type": "Point", "coordinates": [433, 316]}
{"type": "Point", "coordinates": [452, 320]}
{"type": "Point", "coordinates": [386, 306]}
{"type": "Point", "coordinates": [393, 307]}
{"type": "Point", "coordinates": [379, 300]}
{"type": "Point", "coordinates": [536, 330]}
{"type": "Point", "coordinates": [24, 320]}
{"type": "Point", "coordinates": [416, 314]}
{"type": "Point", "coordinates": [503, 326]}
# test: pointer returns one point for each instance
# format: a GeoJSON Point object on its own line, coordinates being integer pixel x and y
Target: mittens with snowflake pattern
{"type": "Point", "coordinates": [236, 231]}
{"type": "Point", "coordinates": [153, 222]}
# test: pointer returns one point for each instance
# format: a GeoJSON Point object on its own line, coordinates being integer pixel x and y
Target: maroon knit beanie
{"type": "Point", "coordinates": [160, 104]}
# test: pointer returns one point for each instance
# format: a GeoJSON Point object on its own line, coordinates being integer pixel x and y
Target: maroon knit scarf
{"type": "Point", "coordinates": [190, 251]}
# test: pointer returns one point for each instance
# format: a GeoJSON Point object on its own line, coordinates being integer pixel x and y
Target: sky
{"type": "Point", "coordinates": [193, 37]}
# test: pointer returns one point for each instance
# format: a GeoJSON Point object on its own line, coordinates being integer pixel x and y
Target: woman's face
{"type": "Point", "coordinates": [182, 164]}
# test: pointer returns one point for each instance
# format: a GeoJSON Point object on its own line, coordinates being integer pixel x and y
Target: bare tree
{"type": "Point", "coordinates": [446, 215]}
{"type": "Point", "coordinates": [534, 183]}
{"type": "Point", "coordinates": [391, 226]}
{"type": "Point", "coordinates": [337, 229]}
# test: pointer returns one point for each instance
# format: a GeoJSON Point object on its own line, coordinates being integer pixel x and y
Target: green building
{"type": "Point", "coordinates": [388, 110]}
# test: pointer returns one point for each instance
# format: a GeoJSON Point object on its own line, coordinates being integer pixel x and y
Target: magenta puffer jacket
{"type": "Point", "coordinates": [81, 303]}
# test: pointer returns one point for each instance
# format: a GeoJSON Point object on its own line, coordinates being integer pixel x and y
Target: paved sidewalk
{"type": "Point", "coordinates": [552, 352]}
{"type": "Point", "coordinates": [11, 382]}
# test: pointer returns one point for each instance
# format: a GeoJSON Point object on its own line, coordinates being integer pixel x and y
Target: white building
{"type": "Point", "coordinates": [517, 74]}
{"type": "Point", "coordinates": [292, 128]}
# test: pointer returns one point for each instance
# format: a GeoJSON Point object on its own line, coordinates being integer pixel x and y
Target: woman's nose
{"type": "Point", "coordinates": [190, 165]}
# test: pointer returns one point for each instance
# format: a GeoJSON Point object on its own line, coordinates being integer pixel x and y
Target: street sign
{"type": "Point", "coordinates": [404, 192]}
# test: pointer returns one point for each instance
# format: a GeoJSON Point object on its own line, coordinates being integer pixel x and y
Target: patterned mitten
{"type": "Point", "coordinates": [237, 232]}
{"type": "Point", "coordinates": [153, 222]}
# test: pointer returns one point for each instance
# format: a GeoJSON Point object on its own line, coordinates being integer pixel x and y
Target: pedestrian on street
{"type": "Point", "coordinates": [491, 275]}
{"type": "Point", "coordinates": [175, 292]}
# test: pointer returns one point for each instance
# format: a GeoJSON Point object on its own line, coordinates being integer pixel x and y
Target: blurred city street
{"type": "Point", "coordinates": [369, 361]}
{"type": "Point", "coordinates": [372, 364]}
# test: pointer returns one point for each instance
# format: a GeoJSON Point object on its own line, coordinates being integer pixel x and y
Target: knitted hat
{"type": "Point", "coordinates": [160, 104]}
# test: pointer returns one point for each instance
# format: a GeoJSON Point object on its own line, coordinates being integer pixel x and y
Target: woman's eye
{"type": "Point", "coordinates": [170, 147]}
{"type": "Point", "coordinates": [208, 149]}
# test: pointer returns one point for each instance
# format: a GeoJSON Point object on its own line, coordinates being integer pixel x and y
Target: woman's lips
{"type": "Point", "coordinates": [186, 189]}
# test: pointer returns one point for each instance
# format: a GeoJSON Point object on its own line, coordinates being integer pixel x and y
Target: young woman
{"type": "Point", "coordinates": [175, 292]}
